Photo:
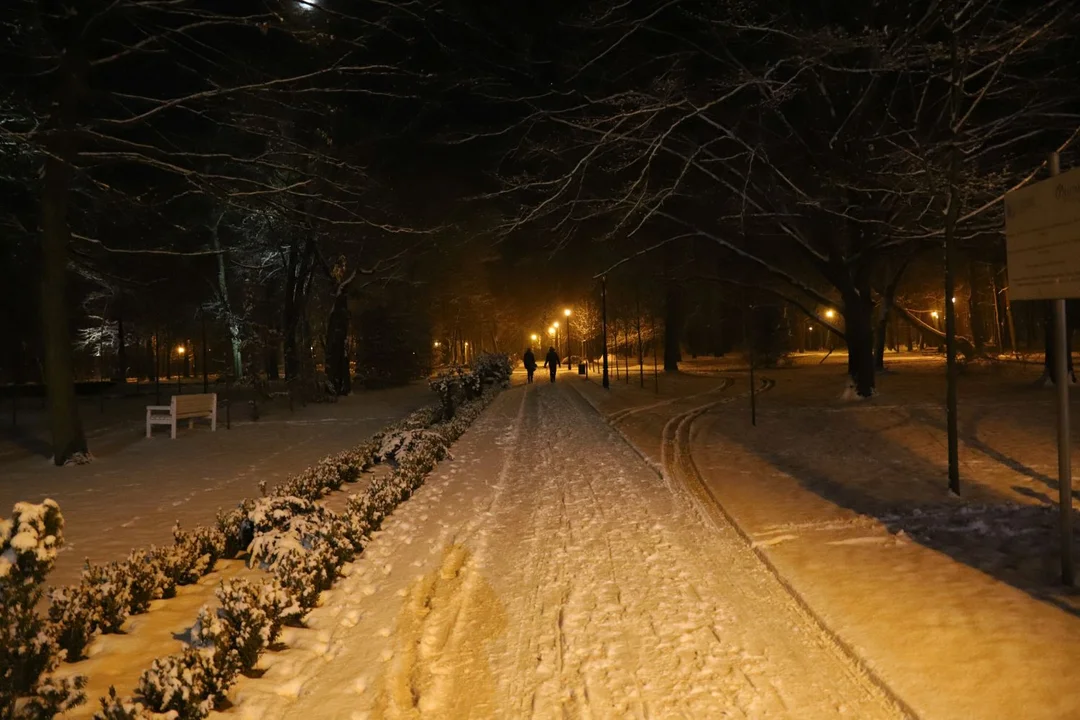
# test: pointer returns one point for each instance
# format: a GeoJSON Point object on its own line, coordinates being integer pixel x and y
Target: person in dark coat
{"type": "Point", "coordinates": [530, 362]}
{"type": "Point", "coordinates": [551, 362]}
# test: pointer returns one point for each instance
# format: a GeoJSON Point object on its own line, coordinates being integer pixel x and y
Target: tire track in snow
{"type": "Point", "coordinates": [679, 463]}
{"type": "Point", "coordinates": [620, 415]}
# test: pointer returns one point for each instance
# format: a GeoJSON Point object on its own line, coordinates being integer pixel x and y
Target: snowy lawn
{"type": "Point", "coordinates": [547, 571]}
{"type": "Point", "coordinates": [953, 603]}
{"type": "Point", "coordinates": [136, 489]}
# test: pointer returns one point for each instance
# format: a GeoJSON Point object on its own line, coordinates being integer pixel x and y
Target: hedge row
{"type": "Point", "coordinates": [300, 543]}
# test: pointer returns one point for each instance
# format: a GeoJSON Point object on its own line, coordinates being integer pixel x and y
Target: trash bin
{"type": "Point", "coordinates": [581, 369]}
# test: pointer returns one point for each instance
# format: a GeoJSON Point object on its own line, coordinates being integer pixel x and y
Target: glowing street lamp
{"type": "Point", "coordinates": [181, 350]}
{"type": "Point", "coordinates": [830, 314]}
{"type": "Point", "coordinates": [934, 314]}
{"type": "Point", "coordinates": [566, 312]}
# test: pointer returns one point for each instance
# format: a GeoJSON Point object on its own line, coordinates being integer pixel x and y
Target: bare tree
{"type": "Point", "coordinates": [813, 145]}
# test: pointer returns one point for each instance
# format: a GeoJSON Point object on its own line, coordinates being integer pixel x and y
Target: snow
{"type": "Point", "coordinates": [954, 603]}
{"type": "Point", "coordinates": [547, 571]}
{"type": "Point", "coordinates": [136, 489]}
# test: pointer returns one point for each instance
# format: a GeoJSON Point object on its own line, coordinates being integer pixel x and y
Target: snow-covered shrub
{"type": "Point", "coordinates": [51, 697]}
{"type": "Point", "coordinates": [230, 523]}
{"type": "Point", "coordinates": [115, 708]}
{"type": "Point", "coordinates": [186, 684]}
{"type": "Point", "coordinates": [276, 512]}
{"type": "Point", "coordinates": [29, 541]}
{"type": "Point", "coordinates": [109, 587]}
{"type": "Point", "coordinates": [146, 581]}
{"type": "Point", "coordinates": [201, 542]}
{"type": "Point", "coordinates": [303, 575]}
{"type": "Point", "coordinates": [450, 387]}
{"type": "Point", "coordinates": [74, 619]}
{"type": "Point", "coordinates": [167, 562]}
{"type": "Point", "coordinates": [249, 620]}
{"type": "Point", "coordinates": [494, 368]}
{"type": "Point", "coordinates": [399, 446]}
{"type": "Point", "coordinates": [192, 555]}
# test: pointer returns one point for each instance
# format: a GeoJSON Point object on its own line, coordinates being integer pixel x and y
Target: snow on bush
{"type": "Point", "coordinates": [29, 653]}
{"type": "Point", "coordinates": [303, 544]}
{"type": "Point", "coordinates": [146, 581]}
{"type": "Point", "coordinates": [74, 619]}
{"type": "Point", "coordinates": [186, 684]}
{"type": "Point", "coordinates": [494, 368]}
{"type": "Point", "coordinates": [109, 587]}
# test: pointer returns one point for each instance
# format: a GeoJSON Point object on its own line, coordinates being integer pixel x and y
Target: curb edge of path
{"type": "Point", "coordinates": [842, 645]}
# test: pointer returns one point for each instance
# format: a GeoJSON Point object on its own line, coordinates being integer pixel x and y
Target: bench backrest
{"type": "Point", "coordinates": [184, 406]}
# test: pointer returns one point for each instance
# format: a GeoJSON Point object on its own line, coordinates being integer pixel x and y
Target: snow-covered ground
{"type": "Point", "coordinates": [954, 603]}
{"type": "Point", "coordinates": [548, 571]}
{"type": "Point", "coordinates": [136, 488]}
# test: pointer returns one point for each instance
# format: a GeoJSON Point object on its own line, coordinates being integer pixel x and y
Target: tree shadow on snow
{"type": "Point", "coordinates": [26, 441]}
{"type": "Point", "coordinates": [1012, 542]}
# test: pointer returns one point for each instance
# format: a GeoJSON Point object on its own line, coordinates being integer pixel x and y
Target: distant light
{"type": "Point", "coordinates": [555, 324]}
{"type": "Point", "coordinates": [811, 328]}
{"type": "Point", "coordinates": [466, 343]}
{"type": "Point", "coordinates": [567, 312]}
{"type": "Point", "coordinates": [180, 350]}
{"type": "Point", "coordinates": [830, 313]}
{"type": "Point", "coordinates": [534, 337]}
{"type": "Point", "coordinates": [934, 314]}
{"type": "Point", "coordinates": [551, 331]}
{"type": "Point", "coordinates": [436, 343]}
{"type": "Point", "coordinates": [954, 299]}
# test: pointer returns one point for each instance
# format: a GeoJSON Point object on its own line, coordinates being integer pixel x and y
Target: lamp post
{"type": "Point", "coordinates": [556, 326]}
{"type": "Point", "coordinates": [180, 370]}
{"type": "Point", "coordinates": [603, 325]}
{"type": "Point", "coordinates": [566, 312]}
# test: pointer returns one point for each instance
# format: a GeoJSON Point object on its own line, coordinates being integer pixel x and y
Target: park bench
{"type": "Point", "coordinates": [183, 407]}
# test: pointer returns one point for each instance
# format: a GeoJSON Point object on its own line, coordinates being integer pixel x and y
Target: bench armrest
{"type": "Point", "coordinates": [165, 408]}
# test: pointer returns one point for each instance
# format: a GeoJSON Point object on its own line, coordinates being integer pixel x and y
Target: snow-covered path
{"type": "Point", "coordinates": [547, 571]}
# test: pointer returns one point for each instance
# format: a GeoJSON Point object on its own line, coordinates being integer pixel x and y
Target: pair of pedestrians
{"type": "Point", "coordinates": [551, 362]}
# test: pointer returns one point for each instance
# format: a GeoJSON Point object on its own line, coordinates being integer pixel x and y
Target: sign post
{"type": "Point", "coordinates": [1042, 233]}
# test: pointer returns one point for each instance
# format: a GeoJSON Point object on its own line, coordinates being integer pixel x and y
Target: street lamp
{"type": "Point", "coordinates": [180, 350]}
{"type": "Point", "coordinates": [934, 314]}
{"type": "Point", "coordinates": [830, 314]}
{"type": "Point", "coordinates": [566, 312]}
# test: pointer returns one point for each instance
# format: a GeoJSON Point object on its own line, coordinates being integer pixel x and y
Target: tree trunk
{"type": "Point", "coordinates": [975, 315]}
{"type": "Point", "coordinates": [121, 348]}
{"type": "Point", "coordinates": [231, 322]}
{"type": "Point", "coordinates": [859, 334]}
{"type": "Point", "coordinates": [672, 313]}
{"type": "Point", "coordinates": [1009, 318]}
{"type": "Point", "coordinates": [1051, 346]}
{"type": "Point", "coordinates": [67, 431]}
{"type": "Point", "coordinates": [337, 335]}
{"type": "Point", "coordinates": [151, 359]}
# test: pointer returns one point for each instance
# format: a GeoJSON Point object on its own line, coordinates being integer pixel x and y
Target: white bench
{"type": "Point", "coordinates": [183, 407]}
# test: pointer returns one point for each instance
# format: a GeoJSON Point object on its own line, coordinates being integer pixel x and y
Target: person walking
{"type": "Point", "coordinates": [551, 362]}
{"type": "Point", "coordinates": [530, 363]}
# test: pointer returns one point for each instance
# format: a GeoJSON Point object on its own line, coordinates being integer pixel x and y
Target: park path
{"type": "Point", "coordinates": [548, 571]}
{"type": "Point", "coordinates": [131, 498]}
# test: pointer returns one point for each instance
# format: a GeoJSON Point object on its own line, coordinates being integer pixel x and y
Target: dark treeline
{"type": "Point", "coordinates": [334, 187]}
